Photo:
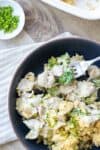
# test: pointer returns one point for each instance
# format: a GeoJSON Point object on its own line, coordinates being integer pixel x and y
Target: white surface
{"type": "Point", "coordinates": [79, 11]}
{"type": "Point", "coordinates": [18, 11]}
{"type": "Point", "coordinates": [9, 61]}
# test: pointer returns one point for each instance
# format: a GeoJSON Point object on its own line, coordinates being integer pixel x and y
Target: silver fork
{"type": "Point", "coordinates": [80, 67]}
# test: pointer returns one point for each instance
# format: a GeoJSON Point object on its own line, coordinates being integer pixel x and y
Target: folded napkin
{"type": "Point", "coordinates": [9, 58]}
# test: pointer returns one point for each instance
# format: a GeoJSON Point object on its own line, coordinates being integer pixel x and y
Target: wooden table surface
{"type": "Point", "coordinates": [56, 23]}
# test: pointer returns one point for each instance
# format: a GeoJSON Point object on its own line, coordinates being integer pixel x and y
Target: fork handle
{"type": "Point", "coordinates": [90, 62]}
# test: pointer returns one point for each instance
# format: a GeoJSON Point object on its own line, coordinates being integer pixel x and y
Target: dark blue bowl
{"type": "Point", "coordinates": [34, 62]}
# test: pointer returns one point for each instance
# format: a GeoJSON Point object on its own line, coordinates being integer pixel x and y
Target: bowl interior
{"type": "Point", "coordinates": [34, 62]}
{"type": "Point", "coordinates": [18, 11]}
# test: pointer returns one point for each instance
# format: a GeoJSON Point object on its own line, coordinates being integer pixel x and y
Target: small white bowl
{"type": "Point", "coordinates": [18, 11]}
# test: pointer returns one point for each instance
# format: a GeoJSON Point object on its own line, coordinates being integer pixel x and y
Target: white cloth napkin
{"type": "Point", "coordinates": [9, 58]}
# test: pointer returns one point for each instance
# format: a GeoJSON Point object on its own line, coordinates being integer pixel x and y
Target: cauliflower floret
{"type": "Point", "coordinates": [30, 76]}
{"type": "Point", "coordinates": [26, 106]}
{"type": "Point", "coordinates": [52, 102]}
{"type": "Point", "coordinates": [94, 72]}
{"type": "Point", "coordinates": [42, 79]}
{"type": "Point", "coordinates": [25, 109]}
{"type": "Point", "coordinates": [65, 107]}
{"type": "Point", "coordinates": [73, 96]}
{"type": "Point", "coordinates": [67, 89]}
{"type": "Point", "coordinates": [93, 111]}
{"type": "Point", "coordinates": [45, 79]}
{"type": "Point", "coordinates": [85, 88]}
{"type": "Point", "coordinates": [85, 121]}
{"type": "Point", "coordinates": [35, 126]}
{"type": "Point", "coordinates": [46, 132]}
{"type": "Point", "coordinates": [77, 57]}
{"type": "Point", "coordinates": [28, 94]}
{"type": "Point", "coordinates": [32, 134]}
{"type": "Point", "coordinates": [24, 85]}
{"type": "Point", "coordinates": [35, 100]}
{"type": "Point", "coordinates": [57, 70]}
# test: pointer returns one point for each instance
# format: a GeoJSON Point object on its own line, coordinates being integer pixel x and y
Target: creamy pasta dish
{"type": "Point", "coordinates": [59, 110]}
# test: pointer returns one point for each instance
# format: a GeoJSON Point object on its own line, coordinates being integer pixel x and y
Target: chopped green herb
{"type": "Point", "coordinates": [46, 96]}
{"type": "Point", "coordinates": [53, 91]}
{"type": "Point", "coordinates": [64, 59]}
{"type": "Point", "coordinates": [74, 132]}
{"type": "Point", "coordinates": [78, 111]}
{"type": "Point", "coordinates": [89, 100]}
{"type": "Point", "coordinates": [67, 77]}
{"type": "Point", "coordinates": [8, 22]}
{"type": "Point", "coordinates": [52, 61]}
{"type": "Point", "coordinates": [50, 120]}
{"type": "Point", "coordinates": [73, 122]}
{"type": "Point", "coordinates": [96, 82]}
